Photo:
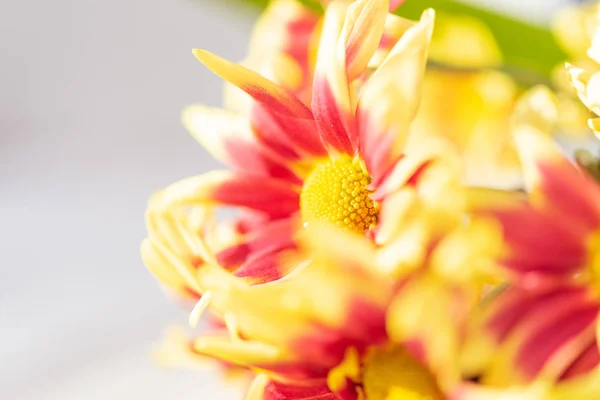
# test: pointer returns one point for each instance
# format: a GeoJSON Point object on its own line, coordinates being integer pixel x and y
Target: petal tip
{"type": "Point", "coordinates": [204, 56]}
{"type": "Point", "coordinates": [198, 53]}
{"type": "Point", "coordinates": [428, 14]}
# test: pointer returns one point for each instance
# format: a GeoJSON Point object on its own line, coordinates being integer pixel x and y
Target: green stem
{"type": "Point", "coordinates": [529, 52]}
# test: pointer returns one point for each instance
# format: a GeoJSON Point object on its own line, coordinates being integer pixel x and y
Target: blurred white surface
{"type": "Point", "coordinates": [89, 128]}
{"type": "Point", "coordinates": [89, 113]}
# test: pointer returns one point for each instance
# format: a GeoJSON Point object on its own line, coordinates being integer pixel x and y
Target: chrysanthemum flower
{"type": "Point", "coordinates": [354, 319]}
{"type": "Point", "coordinates": [337, 161]}
{"type": "Point", "coordinates": [345, 326]}
{"type": "Point", "coordinates": [475, 121]}
{"type": "Point", "coordinates": [542, 328]}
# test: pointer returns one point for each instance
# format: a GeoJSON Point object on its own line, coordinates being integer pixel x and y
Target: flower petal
{"type": "Point", "coordinates": [268, 236]}
{"type": "Point", "coordinates": [534, 342]}
{"type": "Point", "coordinates": [539, 241]}
{"type": "Point", "coordinates": [262, 267]}
{"type": "Point", "coordinates": [393, 30]}
{"type": "Point", "coordinates": [280, 391]}
{"type": "Point", "coordinates": [172, 252]}
{"type": "Point", "coordinates": [273, 197]}
{"type": "Point", "coordinates": [362, 32]}
{"type": "Point", "coordinates": [351, 34]}
{"type": "Point", "coordinates": [556, 183]}
{"type": "Point", "coordinates": [229, 138]}
{"type": "Point", "coordinates": [537, 391]}
{"type": "Point", "coordinates": [281, 45]}
{"type": "Point", "coordinates": [331, 95]}
{"type": "Point", "coordinates": [285, 108]}
{"type": "Point", "coordinates": [390, 99]}
{"type": "Point", "coordinates": [259, 87]}
{"type": "Point", "coordinates": [424, 307]}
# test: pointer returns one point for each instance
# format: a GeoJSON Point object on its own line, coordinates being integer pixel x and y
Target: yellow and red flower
{"type": "Point", "coordinates": [344, 325]}
{"type": "Point", "coordinates": [337, 161]}
{"type": "Point", "coordinates": [542, 327]}
{"type": "Point", "coordinates": [579, 30]}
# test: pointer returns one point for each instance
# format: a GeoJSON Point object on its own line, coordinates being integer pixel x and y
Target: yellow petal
{"type": "Point", "coordinates": [348, 368]}
{"type": "Point", "coordinates": [594, 124]}
{"type": "Point", "coordinates": [536, 391]}
{"type": "Point", "coordinates": [257, 388]}
{"type": "Point", "coordinates": [214, 128]}
{"type": "Point", "coordinates": [168, 266]}
{"type": "Point", "coordinates": [363, 28]}
{"type": "Point", "coordinates": [586, 387]}
{"type": "Point", "coordinates": [254, 84]}
{"type": "Point", "coordinates": [243, 353]}
{"type": "Point", "coordinates": [394, 28]}
{"type": "Point", "coordinates": [537, 110]}
{"type": "Point", "coordinates": [587, 86]}
{"type": "Point", "coordinates": [594, 50]}
{"type": "Point", "coordinates": [390, 98]}
{"type": "Point", "coordinates": [428, 310]}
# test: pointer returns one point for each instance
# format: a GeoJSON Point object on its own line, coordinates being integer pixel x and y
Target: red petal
{"type": "Point", "coordinates": [335, 124]}
{"type": "Point", "coordinates": [280, 391]}
{"type": "Point", "coordinates": [276, 234]}
{"type": "Point", "coordinates": [561, 325]}
{"type": "Point", "coordinates": [571, 192]}
{"type": "Point", "coordinates": [541, 241]}
{"type": "Point", "coordinates": [252, 158]}
{"type": "Point", "coordinates": [294, 117]}
{"type": "Point", "coordinates": [515, 305]}
{"type": "Point", "coordinates": [587, 360]}
{"type": "Point", "coordinates": [289, 136]}
{"type": "Point", "coordinates": [270, 196]}
{"type": "Point", "coordinates": [264, 266]}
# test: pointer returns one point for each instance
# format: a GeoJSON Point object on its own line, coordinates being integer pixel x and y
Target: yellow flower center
{"type": "Point", "coordinates": [337, 192]}
{"type": "Point", "coordinates": [393, 374]}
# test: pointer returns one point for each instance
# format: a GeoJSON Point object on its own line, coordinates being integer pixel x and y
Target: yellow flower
{"type": "Point", "coordinates": [577, 29]}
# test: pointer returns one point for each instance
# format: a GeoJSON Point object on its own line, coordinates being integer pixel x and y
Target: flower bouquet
{"type": "Point", "coordinates": [404, 225]}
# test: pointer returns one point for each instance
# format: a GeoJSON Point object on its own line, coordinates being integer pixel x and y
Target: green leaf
{"type": "Point", "coordinates": [529, 52]}
{"type": "Point", "coordinates": [314, 5]}
{"type": "Point", "coordinates": [524, 47]}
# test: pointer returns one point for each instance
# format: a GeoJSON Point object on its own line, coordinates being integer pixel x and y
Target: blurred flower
{"type": "Point", "coordinates": [574, 29]}
{"type": "Point", "coordinates": [542, 327]}
{"type": "Point", "coordinates": [472, 110]}
{"type": "Point", "coordinates": [347, 324]}
{"type": "Point", "coordinates": [586, 82]}
{"type": "Point", "coordinates": [465, 42]}
{"type": "Point", "coordinates": [469, 103]}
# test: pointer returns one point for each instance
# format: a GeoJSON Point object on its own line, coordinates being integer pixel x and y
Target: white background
{"type": "Point", "coordinates": [90, 96]}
